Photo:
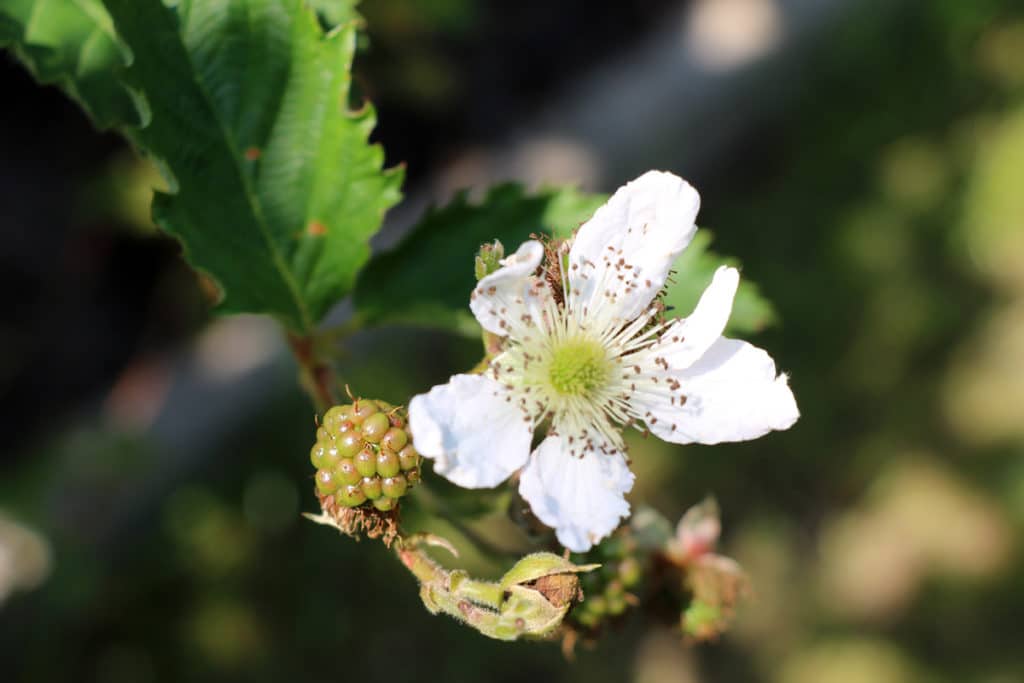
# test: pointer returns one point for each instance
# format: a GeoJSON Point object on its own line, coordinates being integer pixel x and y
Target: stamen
{"type": "Point", "coordinates": [580, 366]}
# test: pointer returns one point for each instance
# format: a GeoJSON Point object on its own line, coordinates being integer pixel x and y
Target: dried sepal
{"type": "Point", "coordinates": [357, 521]}
{"type": "Point", "coordinates": [539, 565]}
{"type": "Point", "coordinates": [530, 601]}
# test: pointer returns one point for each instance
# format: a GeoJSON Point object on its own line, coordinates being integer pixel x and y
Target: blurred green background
{"type": "Point", "coordinates": [867, 171]}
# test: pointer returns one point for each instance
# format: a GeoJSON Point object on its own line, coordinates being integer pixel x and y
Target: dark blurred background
{"type": "Point", "coordinates": [864, 159]}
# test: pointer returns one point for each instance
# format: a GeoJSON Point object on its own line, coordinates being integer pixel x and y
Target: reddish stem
{"type": "Point", "coordinates": [318, 376]}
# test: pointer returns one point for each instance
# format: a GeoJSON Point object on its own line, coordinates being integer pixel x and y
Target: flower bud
{"type": "Point", "coordinates": [696, 534]}
{"type": "Point", "coordinates": [539, 589]}
{"type": "Point", "coordinates": [717, 583]}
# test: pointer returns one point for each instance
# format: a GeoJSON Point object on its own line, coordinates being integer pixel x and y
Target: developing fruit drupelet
{"type": "Point", "coordinates": [363, 455]}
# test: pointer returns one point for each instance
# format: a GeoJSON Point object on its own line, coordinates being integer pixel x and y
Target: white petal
{"type": "Point", "coordinates": [731, 394]}
{"type": "Point", "coordinates": [582, 499]}
{"type": "Point", "coordinates": [511, 300]}
{"type": "Point", "coordinates": [686, 340]}
{"type": "Point", "coordinates": [621, 257]}
{"type": "Point", "coordinates": [476, 437]}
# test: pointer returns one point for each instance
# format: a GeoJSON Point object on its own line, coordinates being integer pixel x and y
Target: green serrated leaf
{"type": "Point", "coordinates": [275, 189]}
{"type": "Point", "coordinates": [694, 270]}
{"type": "Point", "coordinates": [427, 279]}
{"type": "Point", "coordinates": [336, 12]}
{"type": "Point", "coordinates": [70, 44]}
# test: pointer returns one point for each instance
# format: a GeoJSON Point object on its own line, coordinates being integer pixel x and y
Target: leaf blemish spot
{"type": "Point", "coordinates": [316, 229]}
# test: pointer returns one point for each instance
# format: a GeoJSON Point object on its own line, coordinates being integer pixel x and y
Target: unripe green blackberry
{"type": "Point", "coordinates": [374, 427]}
{"type": "Point", "coordinates": [371, 487]}
{"type": "Point", "coordinates": [387, 463]}
{"type": "Point", "coordinates": [349, 444]}
{"type": "Point", "coordinates": [342, 427]}
{"type": "Point", "coordinates": [324, 455]}
{"type": "Point", "coordinates": [363, 456]}
{"type": "Point", "coordinates": [335, 415]}
{"type": "Point", "coordinates": [350, 496]}
{"type": "Point", "coordinates": [408, 458]}
{"type": "Point", "coordinates": [346, 472]}
{"type": "Point", "coordinates": [361, 410]}
{"type": "Point", "coordinates": [326, 483]}
{"type": "Point", "coordinates": [332, 456]}
{"type": "Point", "coordinates": [394, 487]}
{"type": "Point", "coordinates": [394, 439]}
{"type": "Point", "coordinates": [316, 454]}
{"type": "Point", "coordinates": [366, 462]}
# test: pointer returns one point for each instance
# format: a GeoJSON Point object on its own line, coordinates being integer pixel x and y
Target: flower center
{"type": "Point", "coordinates": [578, 366]}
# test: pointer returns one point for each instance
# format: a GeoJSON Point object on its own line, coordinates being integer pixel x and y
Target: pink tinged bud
{"type": "Point", "coordinates": [697, 533]}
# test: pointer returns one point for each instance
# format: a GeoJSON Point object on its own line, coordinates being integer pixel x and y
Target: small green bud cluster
{"type": "Point", "coordinates": [363, 455]}
{"type": "Point", "coordinates": [703, 621]}
{"type": "Point", "coordinates": [606, 592]}
{"type": "Point", "coordinates": [488, 259]}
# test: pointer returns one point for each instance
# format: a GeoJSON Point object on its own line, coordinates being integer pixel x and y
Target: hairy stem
{"type": "Point", "coordinates": [451, 592]}
{"type": "Point", "coordinates": [317, 375]}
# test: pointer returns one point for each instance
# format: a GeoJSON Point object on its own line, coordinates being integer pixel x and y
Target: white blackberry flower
{"type": "Point", "coordinates": [588, 357]}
